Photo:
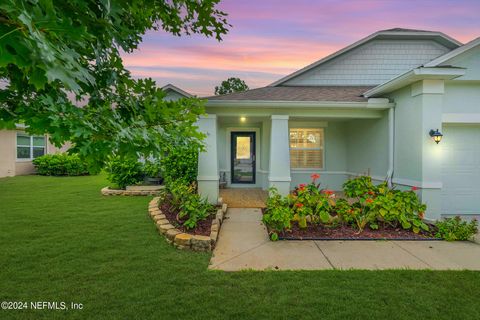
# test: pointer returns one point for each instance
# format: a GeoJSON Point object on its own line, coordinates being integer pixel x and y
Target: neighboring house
{"type": "Point", "coordinates": [366, 109]}
{"type": "Point", "coordinates": [174, 93]}
{"type": "Point", "coordinates": [18, 149]}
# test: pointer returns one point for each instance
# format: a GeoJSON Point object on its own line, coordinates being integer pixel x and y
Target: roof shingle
{"type": "Point", "coordinates": [299, 93]}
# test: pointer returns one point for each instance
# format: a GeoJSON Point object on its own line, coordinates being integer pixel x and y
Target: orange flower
{"type": "Point", "coordinates": [369, 200]}
{"type": "Point", "coordinates": [299, 205]}
{"type": "Point", "coordinates": [315, 176]}
{"type": "Point", "coordinates": [414, 188]}
{"type": "Point", "coordinates": [371, 192]}
{"type": "Point", "coordinates": [328, 192]}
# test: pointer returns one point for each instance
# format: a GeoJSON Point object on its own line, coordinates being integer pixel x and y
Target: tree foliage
{"type": "Point", "coordinates": [231, 85]}
{"type": "Point", "coordinates": [62, 72]}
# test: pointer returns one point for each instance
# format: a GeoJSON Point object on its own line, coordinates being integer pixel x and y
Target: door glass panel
{"type": "Point", "coordinates": [243, 158]}
{"type": "Point", "coordinates": [243, 148]}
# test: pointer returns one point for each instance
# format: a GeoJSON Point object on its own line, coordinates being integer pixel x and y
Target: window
{"type": "Point", "coordinates": [30, 147]}
{"type": "Point", "coordinates": [306, 148]}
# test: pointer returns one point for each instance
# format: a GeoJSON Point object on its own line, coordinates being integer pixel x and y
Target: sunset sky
{"type": "Point", "coordinates": [271, 38]}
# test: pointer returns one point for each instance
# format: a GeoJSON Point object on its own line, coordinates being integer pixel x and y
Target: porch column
{"type": "Point", "coordinates": [430, 96]}
{"type": "Point", "coordinates": [279, 169]}
{"type": "Point", "coordinates": [208, 160]}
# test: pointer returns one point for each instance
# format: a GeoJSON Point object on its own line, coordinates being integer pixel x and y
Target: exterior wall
{"type": "Point", "coordinates": [469, 60]}
{"type": "Point", "coordinates": [262, 146]}
{"type": "Point", "coordinates": [373, 63]}
{"type": "Point", "coordinates": [367, 145]}
{"type": "Point", "coordinates": [334, 172]}
{"type": "Point", "coordinates": [7, 153]}
{"type": "Point", "coordinates": [408, 129]}
{"type": "Point", "coordinates": [173, 96]}
{"type": "Point", "coordinates": [9, 165]}
{"type": "Point", "coordinates": [462, 97]}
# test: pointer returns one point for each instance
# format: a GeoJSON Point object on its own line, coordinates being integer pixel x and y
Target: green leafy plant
{"type": "Point", "coordinates": [55, 55]}
{"type": "Point", "coordinates": [278, 215]}
{"type": "Point", "coordinates": [180, 163]}
{"type": "Point", "coordinates": [452, 229]}
{"type": "Point", "coordinates": [124, 172]}
{"type": "Point", "coordinates": [152, 168]}
{"type": "Point", "coordinates": [191, 207]}
{"type": "Point", "coordinates": [60, 164]}
{"type": "Point", "coordinates": [231, 85]}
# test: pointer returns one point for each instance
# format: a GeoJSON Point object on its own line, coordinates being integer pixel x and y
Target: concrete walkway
{"type": "Point", "coordinates": [243, 244]}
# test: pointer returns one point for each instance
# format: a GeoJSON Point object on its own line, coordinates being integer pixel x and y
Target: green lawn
{"type": "Point", "coordinates": [62, 241]}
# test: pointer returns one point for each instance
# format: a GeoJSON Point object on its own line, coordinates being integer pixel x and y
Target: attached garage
{"type": "Point", "coordinates": [461, 170]}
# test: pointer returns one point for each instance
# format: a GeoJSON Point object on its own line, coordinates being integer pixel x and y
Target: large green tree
{"type": "Point", "coordinates": [231, 85]}
{"type": "Point", "coordinates": [62, 72]}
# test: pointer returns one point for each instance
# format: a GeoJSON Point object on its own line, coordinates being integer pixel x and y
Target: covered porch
{"type": "Point", "coordinates": [258, 145]}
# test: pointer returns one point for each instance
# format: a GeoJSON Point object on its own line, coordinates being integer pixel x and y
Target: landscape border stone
{"type": "Point", "coordinates": [120, 192]}
{"type": "Point", "coordinates": [183, 240]}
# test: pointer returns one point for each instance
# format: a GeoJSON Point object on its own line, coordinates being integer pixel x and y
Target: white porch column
{"type": "Point", "coordinates": [279, 169]}
{"type": "Point", "coordinates": [430, 95]}
{"type": "Point", "coordinates": [208, 160]}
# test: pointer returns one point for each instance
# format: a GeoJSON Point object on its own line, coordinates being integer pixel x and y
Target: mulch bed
{"type": "Point", "coordinates": [203, 227]}
{"type": "Point", "coordinates": [320, 232]}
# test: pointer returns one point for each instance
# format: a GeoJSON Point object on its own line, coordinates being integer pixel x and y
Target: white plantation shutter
{"type": "Point", "coordinates": [306, 148]}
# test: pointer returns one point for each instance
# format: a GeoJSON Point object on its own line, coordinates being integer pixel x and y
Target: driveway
{"type": "Point", "coordinates": [243, 244]}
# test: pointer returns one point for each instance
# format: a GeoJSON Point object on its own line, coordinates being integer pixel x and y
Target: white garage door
{"type": "Point", "coordinates": [461, 169]}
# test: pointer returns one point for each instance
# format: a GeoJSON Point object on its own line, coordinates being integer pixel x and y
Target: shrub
{"type": "Point", "coordinates": [152, 169]}
{"type": "Point", "coordinates": [278, 214]}
{"type": "Point", "coordinates": [372, 206]}
{"type": "Point", "coordinates": [60, 164]}
{"type": "Point", "coordinates": [452, 229]}
{"type": "Point", "coordinates": [123, 172]}
{"type": "Point", "coordinates": [191, 207]}
{"type": "Point", "coordinates": [180, 163]}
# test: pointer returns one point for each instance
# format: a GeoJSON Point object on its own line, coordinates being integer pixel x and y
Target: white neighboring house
{"type": "Point", "coordinates": [18, 149]}
{"type": "Point", "coordinates": [368, 108]}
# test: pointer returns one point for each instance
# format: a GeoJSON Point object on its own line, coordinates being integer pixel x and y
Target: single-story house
{"type": "Point", "coordinates": [173, 93]}
{"type": "Point", "coordinates": [18, 149]}
{"type": "Point", "coordinates": [373, 108]}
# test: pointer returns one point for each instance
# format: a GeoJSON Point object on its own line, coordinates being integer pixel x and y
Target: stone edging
{"type": "Point", "coordinates": [116, 192]}
{"type": "Point", "coordinates": [182, 240]}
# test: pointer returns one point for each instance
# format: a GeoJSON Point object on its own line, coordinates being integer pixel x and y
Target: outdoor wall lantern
{"type": "Point", "coordinates": [436, 135]}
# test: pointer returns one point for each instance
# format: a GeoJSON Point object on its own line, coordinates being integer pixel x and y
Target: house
{"type": "Point", "coordinates": [18, 149]}
{"type": "Point", "coordinates": [174, 93]}
{"type": "Point", "coordinates": [373, 107]}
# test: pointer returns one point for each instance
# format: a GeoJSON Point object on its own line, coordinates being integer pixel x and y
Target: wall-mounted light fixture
{"type": "Point", "coordinates": [436, 135]}
{"type": "Point", "coordinates": [243, 119]}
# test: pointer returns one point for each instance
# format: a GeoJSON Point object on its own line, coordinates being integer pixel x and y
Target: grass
{"type": "Point", "coordinates": [62, 241]}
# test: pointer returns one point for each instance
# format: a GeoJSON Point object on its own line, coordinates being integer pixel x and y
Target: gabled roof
{"type": "Point", "coordinates": [452, 54]}
{"type": "Point", "coordinates": [409, 77]}
{"type": "Point", "coordinates": [298, 93]}
{"type": "Point", "coordinates": [171, 87]}
{"type": "Point", "coordinates": [396, 33]}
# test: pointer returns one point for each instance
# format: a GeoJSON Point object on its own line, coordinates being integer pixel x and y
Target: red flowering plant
{"type": "Point", "coordinates": [383, 205]}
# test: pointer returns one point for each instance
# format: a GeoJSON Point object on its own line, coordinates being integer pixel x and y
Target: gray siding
{"type": "Point", "coordinates": [372, 63]}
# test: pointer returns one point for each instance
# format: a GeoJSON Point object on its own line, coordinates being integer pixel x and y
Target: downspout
{"type": "Point", "coordinates": [391, 145]}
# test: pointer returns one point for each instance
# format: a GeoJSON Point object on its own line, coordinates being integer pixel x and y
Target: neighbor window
{"type": "Point", "coordinates": [306, 148]}
{"type": "Point", "coordinates": [30, 147]}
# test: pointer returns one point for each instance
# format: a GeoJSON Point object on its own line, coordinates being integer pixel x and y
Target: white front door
{"type": "Point", "coordinates": [461, 169]}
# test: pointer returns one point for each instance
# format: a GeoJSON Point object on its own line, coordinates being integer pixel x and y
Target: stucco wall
{"type": "Point", "coordinates": [9, 165]}
{"type": "Point", "coordinates": [333, 174]}
{"type": "Point", "coordinates": [408, 129]}
{"type": "Point", "coordinates": [462, 97]}
{"type": "Point", "coordinates": [7, 153]}
{"type": "Point", "coordinates": [367, 146]}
